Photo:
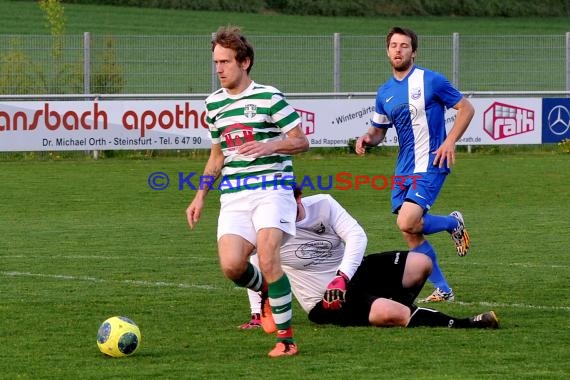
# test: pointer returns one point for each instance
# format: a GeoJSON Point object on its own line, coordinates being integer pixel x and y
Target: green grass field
{"type": "Point", "coordinates": [85, 240]}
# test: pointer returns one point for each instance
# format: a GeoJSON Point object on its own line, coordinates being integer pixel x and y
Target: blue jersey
{"type": "Point", "coordinates": [416, 106]}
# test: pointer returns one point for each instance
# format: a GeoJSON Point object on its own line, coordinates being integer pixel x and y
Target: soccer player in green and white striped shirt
{"type": "Point", "coordinates": [254, 132]}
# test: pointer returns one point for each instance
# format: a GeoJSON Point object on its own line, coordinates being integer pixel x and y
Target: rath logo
{"type": "Point", "coordinates": [307, 121]}
{"type": "Point", "coordinates": [503, 120]}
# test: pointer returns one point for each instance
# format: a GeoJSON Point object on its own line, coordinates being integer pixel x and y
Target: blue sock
{"type": "Point", "coordinates": [438, 223]}
{"type": "Point", "coordinates": [436, 277]}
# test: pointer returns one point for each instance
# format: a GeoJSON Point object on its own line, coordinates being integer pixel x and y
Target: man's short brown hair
{"type": "Point", "coordinates": [230, 37]}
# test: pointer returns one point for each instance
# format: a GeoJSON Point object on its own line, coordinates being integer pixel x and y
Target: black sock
{"type": "Point", "coordinates": [433, 318]}
{"type": "Point", "coordinates": [251, 278]}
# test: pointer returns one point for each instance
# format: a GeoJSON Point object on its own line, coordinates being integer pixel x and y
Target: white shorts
{"type": "Point", "coordinates": [246, 212]}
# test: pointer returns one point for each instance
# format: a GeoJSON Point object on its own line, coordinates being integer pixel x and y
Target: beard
{"type": "Point", "coordinates": [404, 65]}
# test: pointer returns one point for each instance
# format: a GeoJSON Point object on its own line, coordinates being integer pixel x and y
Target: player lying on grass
{"type": "Point", "coordinates": [336, 284]}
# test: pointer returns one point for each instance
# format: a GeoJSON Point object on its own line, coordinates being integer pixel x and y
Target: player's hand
{"type": "Point", "coordinates": [334, 295]}
{"type": "Point", "coordinates": [445, 154]}
{"type": "Point", "coordinates": [361, 143]}
{"type": "Point", "coordinates": [256, 149]}
{"type": "Point", "coordinates": [194, 211]}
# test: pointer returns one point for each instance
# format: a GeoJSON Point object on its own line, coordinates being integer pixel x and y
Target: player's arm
{"type": "Point", "coordinates": [446, 151]}
{"type": "Point", "coordinates": [355, 240]}
{"type": "Point", "coordinates": [211, 173]}
{"type": "Point", "coordinates": [372, 137]}
{"type": "Point", "coordinates": [284, 116]}
{"type": "Point", "coordinates": [465, 112]}
{"type": "Point", "coordinates": [353, 236]}
{"type": "Point", "coordinates": [294, 142]}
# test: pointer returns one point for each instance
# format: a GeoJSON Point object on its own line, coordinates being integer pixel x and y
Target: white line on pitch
{"type": "Point", "coordinates": [93, 279]}
{"type": "Point", "coordinates": [212, 287]}
{"type": "Point", "coordinates": [513, 305]}
{"type": "Point", "coordinates": [100, 257]}
{"type": "Point", "coordinates": [522, 265]}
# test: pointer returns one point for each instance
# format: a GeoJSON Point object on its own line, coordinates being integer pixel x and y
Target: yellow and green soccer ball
{"type": "Point", "coordinates": [118, 336]}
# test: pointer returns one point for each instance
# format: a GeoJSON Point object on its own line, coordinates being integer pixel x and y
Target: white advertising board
{"type": "Point", "coordinates": [180, 124]}
{"type": "Point", "coordinates": [102, 125]}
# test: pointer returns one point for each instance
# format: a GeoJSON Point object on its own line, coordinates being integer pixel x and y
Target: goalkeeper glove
{"type": "Point", "coordinates": [334, 295]}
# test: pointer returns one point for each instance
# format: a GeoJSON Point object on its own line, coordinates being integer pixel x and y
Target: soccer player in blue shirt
{"type": "Point", "coordinates": [414, 101]}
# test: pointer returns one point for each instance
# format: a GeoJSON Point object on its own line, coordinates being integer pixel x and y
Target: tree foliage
{"type": "Point", "coordinates": [483, 8]}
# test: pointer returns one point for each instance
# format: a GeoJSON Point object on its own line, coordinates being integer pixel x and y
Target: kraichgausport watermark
{"type": "Point", "coordinates": [339, 181]}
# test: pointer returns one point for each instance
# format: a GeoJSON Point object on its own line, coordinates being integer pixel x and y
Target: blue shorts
{"type": "Point", "coordinates": [421, 188]}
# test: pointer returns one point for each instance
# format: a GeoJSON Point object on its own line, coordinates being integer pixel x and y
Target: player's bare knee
{"type": "Point", "coordinates": [418, 268]}
{"type": "Point", "coordinates": [378, 314]}
{"type": "Point", "coordinates": [420, 262]}
{"type": "Point", "coordinates": [231, 274]}
{"type": "Point", "coordinates": [385, 312]}
{"type": "Point", "coordinates": [407, 225]}
{"type": "Point", "coordinates": [233, 269]}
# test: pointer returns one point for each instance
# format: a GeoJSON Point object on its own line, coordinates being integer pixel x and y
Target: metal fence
{"type": "Point", "coordinates": [80, 64]}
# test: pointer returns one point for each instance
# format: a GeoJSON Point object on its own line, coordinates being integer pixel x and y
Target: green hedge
{"type": "Point", "coordinates": [488, 8]}
{"type": "Point", "coordinates": [251, 6]}
{"type": "Point", "coordinates": [483, 8]}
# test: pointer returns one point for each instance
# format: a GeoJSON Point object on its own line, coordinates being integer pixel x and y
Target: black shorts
{"type": "Point", "coordinates": [379, 276]}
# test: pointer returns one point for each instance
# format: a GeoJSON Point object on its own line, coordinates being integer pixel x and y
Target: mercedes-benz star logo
{"type": "Point", "coordinates": [559, 120]}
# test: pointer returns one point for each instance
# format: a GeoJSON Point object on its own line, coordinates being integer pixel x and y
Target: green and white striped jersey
{"type": "Point", "coordinates": [259, 113]}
